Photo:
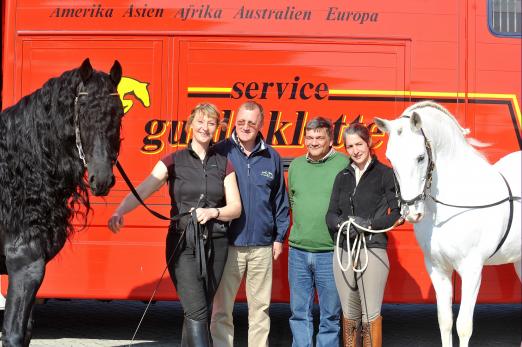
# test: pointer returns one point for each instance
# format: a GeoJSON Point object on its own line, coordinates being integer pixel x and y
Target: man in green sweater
{"type": "Point", "coordinates": [310, 259]}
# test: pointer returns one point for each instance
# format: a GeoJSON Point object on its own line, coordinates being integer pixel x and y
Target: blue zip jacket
{"type": "Point", "coordinates": [260, 176]}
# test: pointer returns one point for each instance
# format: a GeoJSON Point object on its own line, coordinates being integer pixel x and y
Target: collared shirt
{"type": "Point", "coordinates": [259, 142]}
{"type": "Point", "coordinates": [358, 172]}
{"type": "Point", "coordinates": [323, 159]}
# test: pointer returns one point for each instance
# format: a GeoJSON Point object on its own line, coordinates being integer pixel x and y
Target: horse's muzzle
{"type": "Point", "coordinates": [101, 188]}
{"type": "Point", "coordinates": [413, 213]}
{"type": "Point", "coordinates": [414, 217]}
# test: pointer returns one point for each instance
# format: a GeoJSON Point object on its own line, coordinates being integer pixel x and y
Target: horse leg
{"type": "Point", "coordinates": [26, 273]}
{"type": "Point", "coordinates": [29, 330]}
{"type": "Point", "coordinates": [441, 280]}
{"type": "Point", "coordinates": [471, 278]}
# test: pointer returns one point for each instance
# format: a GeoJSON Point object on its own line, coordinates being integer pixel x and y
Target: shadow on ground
{"type": "Point", "coordinates": [95, 323]}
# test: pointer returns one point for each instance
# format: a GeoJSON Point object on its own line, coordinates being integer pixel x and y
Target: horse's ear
{"type": "Point", "coordinates": [86, 70]}
{"type": "Point", "coordinates": [116, 72]}
{"type": "Point", "coordinates": [382, 124]}
{"type": "Point", "coordinates": [415, 121]}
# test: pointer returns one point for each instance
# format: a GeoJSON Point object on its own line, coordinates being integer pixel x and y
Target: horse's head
{"type": "Point", "coordinates": [410, 159]}
{"type": "Point", "coordinates": [98, 116]}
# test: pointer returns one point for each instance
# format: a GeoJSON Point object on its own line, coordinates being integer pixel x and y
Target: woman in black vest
{"type": "Point", "coordinates": [203, 182]}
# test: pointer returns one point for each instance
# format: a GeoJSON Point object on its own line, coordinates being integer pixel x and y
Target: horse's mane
{"type": "Point", "coordinates": [429, 103]}
{"type": "Point", "coordinates": [457, 136]}
{"type": "Point", "coordinates": [42, 178]}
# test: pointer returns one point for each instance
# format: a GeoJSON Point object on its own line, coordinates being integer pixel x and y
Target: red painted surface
{"type": "Point", "coordinates": [384, 57]}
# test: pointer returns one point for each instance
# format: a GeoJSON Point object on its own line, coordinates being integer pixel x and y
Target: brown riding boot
{"type": "Point", "coordinates": [372, 333]}
{"type": "Point", "coordinates": [351, 332]}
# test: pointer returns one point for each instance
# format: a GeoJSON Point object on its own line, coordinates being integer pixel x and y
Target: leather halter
{"type": "Point", "coordinates": [79, 146]}
{"type": "Point", "coordinates": [427, 177]}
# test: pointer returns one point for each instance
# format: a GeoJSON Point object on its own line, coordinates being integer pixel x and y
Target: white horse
{"type": "Point", "coordinates": [454, 238]}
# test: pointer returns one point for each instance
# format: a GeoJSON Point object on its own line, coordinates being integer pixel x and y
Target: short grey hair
{"type": "Point", "coordinates": [251, 106]}
{"type": "Point", "coordinates": [320, 122]}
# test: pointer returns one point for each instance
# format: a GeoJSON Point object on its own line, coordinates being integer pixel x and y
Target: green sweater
{"type": "Point", "coordinates": [310, 187]}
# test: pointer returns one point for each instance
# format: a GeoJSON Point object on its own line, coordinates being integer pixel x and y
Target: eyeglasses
{"type": "Point", "coordinates": [242, 123]}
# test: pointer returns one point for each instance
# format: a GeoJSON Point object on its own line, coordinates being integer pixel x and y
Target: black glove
{"type": "Point", "coordinates": [340, 221]}
{"type": "Point", "coordinates": [363, 222]}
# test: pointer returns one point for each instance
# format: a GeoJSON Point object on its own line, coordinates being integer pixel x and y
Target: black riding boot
{"type": "Point", "coordinates": [195, 333]}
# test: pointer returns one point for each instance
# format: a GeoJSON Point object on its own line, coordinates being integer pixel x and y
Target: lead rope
{"type": "Point", "coordinates": [356, 247]}
{"type": "Point", "coordinates": [181, 238]}
{"type": "Point", "coordinates": [354, 252]}
{"type": "Point", "coordinates": [155, 289]}
{"type": "Point", "coordinates": [160, 216]}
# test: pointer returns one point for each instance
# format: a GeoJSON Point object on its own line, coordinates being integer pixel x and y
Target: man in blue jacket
{"type": "Point", "coordinates": [257, 236]}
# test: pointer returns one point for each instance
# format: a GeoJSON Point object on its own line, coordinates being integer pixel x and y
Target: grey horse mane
{"type": "Point", "coordinates": [464, 131]}
{"type": "Point", "coordinates": [429, 103]}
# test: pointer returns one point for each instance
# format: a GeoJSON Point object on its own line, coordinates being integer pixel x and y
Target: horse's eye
{"type": "Point", "coordinates": [420, 158]}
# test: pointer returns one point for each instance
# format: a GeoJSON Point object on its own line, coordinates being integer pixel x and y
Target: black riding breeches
{"type": "Point", "coordinates": [191, 287]}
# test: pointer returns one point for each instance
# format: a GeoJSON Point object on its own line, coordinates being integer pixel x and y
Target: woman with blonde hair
{"type": "Point", "coordinates": [202, 182]}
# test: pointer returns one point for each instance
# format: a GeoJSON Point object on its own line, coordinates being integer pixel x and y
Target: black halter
{"type": "Point", "coordinates": [79, 146]}
{"type": "Point", "coordinates": [427, 186]}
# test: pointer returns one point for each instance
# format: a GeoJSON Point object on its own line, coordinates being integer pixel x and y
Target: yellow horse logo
{"type": "Point", "coordinates": [130, 85]}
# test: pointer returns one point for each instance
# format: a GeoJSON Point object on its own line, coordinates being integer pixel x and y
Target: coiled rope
{"type": "Point", "coordinates": [354, 251]}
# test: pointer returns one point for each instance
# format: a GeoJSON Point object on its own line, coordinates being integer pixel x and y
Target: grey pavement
{"type": "Point", "coordinates": [94, 323]}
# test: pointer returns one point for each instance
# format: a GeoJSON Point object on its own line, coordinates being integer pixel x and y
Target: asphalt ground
{"type": "Point", "coordinates": [94, 323]}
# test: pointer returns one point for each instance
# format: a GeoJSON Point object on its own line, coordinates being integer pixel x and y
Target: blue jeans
{"type": "Point", "coordinates": [308, 272]}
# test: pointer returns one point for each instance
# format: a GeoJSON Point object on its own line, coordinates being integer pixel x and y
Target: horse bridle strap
{"type": "Point", "coordinates": [510, 198]}
{"type": "Point", "coordinates": [427, 178]}
{"type": "Point", "coordinates": [79, 146]}
{"type": "Point", "coordinates": [510, 221]}
{"type": "Point", "coordinates": [140, 200]}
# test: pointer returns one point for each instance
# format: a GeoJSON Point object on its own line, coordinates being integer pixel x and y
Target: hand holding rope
{"type": "Point", "coordinates": [359, 241]}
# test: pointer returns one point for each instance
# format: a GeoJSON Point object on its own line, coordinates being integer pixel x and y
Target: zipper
{"type": "Point", "coordinates": [365, 173]}
{"type": "Point", "coordinates": [352, 200]}
{"type": "Point", "coordinates": [204, 164]}
{"type": "Point", "coordinates": [352, 197]}
{"type": "Point", "coordinates": [249, 238]}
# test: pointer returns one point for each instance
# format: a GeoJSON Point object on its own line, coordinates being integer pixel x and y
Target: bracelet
{"type": "Point", "coordinates": [219, 212]}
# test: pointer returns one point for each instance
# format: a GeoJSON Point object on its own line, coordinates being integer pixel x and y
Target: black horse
{"type": "Point", "coordinates": [47, 142]}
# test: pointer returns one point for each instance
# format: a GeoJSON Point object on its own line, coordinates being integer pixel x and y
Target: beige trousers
{"type": "Point", "coordinates": [256, 264]}
{"type": "Point", "coordinates": [361, 294]}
